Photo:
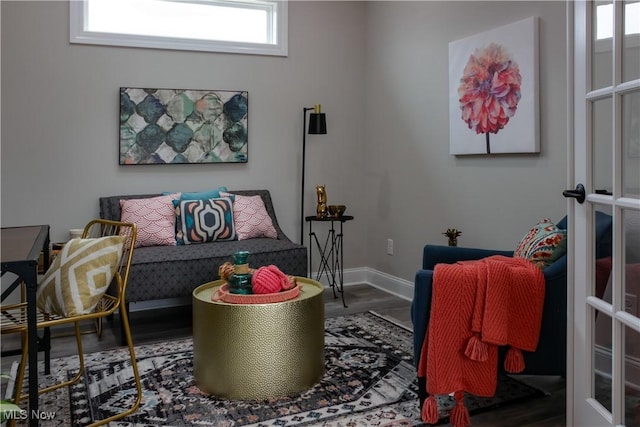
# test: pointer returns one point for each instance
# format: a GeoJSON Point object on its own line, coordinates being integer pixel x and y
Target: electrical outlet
{"type": "Point", "coordinates": [631, 304]}
{"type": "Point", "coordinates": [390, 246]}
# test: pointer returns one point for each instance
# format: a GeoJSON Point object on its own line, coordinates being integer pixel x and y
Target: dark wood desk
{"type": "Point", "coordinates": [21, 248]}
{"type": "Point", "coordinates": [331, 253]}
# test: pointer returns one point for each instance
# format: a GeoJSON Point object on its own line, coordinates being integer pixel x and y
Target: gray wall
{"type": "Point", "coordinates": [380, 71]}
{"type": "Point", "coordinates": [60, 116]}
{"type": "Point", "coordinates": [415, 189]}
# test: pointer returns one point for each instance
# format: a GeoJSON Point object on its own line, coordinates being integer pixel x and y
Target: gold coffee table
{"type": "Point", "coordinates": [257, 351]}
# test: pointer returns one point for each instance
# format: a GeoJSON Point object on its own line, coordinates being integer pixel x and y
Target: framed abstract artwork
{"type": "Point", "coordinates": [177, 126]}
{"type": "Point", "coordinates": [493, 91]}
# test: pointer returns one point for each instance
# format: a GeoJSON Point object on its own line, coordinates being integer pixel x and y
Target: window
{"type": "Point", "coordinates": [242, 26]}
{"type": "Point", "coordinates": [604, 19]}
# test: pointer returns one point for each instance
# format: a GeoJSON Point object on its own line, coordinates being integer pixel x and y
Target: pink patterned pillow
{"type": "Point", "coordinates": [251, 218]}
{"type": "Point", "coordinates": [155, 218]}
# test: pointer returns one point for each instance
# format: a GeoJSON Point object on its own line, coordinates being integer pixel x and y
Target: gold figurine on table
{"type": "Point", "coordinates": [321, 208]}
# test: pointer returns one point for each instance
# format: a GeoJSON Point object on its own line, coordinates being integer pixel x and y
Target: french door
{"type": "Point", "coordinates": [603, 384]}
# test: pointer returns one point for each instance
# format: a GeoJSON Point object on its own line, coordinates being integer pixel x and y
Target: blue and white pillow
{"type": "Point", "coordinates": [200, 221]}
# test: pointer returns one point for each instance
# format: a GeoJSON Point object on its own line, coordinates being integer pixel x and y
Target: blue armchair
{"type": "Point", "coordinates": [550, 356]}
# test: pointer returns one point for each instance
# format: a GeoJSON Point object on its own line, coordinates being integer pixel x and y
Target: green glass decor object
{"type": "Point", "coordinates": [240, 280]}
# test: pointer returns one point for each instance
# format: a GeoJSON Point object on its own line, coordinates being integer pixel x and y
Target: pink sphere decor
{"type": "Point", "coordinates": [269, 279]}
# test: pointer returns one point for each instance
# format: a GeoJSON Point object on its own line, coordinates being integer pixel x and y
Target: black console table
{"type": "Point", "coordinates": [331, 252]}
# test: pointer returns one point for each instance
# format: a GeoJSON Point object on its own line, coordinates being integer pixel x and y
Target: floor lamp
{"type": "Point", "coordinates": [317, 126]}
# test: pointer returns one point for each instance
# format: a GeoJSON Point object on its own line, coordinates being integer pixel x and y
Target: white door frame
{"type": "Point", "coordinates": [583, 409]}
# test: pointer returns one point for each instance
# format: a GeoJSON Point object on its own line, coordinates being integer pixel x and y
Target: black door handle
{"type": "Point", "coordinates": [578, 194]}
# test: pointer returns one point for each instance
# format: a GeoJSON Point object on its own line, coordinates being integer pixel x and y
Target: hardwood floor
{"type": "Point", "coordinates": [166, 324]}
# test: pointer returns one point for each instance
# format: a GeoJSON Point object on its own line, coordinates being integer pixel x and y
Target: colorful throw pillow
{"type": "Point", "coordinates": [199, 221]}
{"type": "Point", "coordinates": [80, 275]}
{"type": "Point", "coordinates": [543, 244]}
{"type": "Point", "coordinates": [155, 218]}
{"type": "Point", "coordinates": [251, 218]}
{"type": "Point", "coordinates": [200, 195]}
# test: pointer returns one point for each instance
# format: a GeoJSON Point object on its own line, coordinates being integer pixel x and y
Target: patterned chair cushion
{"type": "Point", "coordinates": [80, 275]}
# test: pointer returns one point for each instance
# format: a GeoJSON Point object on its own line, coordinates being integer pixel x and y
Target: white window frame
{"type": "Point", "coordinates": [605, 44]}
{"type": "Point", "coordinates": [278, 11]}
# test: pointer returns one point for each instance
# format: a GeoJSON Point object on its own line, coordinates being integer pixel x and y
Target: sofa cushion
{"type": "Point", "coordinates": [155, 218]}
{"type": "Point", "coordinates": [175, 271]}
{"type": "Point", "coordinates": [251, 218]}
{"type": "Point", "coordinates": [79, 275]}
{"type": "Point", "coordinates": [199, 221]}
{"type": "Point", "coordinates": [543, 244]}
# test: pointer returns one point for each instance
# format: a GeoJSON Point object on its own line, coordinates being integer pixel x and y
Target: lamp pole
{"type": "Point", "coordinates": [317, 126]}
{"type": "Point", "coordinates": [304, 146]}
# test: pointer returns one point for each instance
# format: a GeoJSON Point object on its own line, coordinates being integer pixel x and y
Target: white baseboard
{"type": "Point", "coordinates": [369, 276]}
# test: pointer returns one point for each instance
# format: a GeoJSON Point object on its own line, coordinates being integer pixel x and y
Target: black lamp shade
{"type": "Point", "coordinates": [317, 124]}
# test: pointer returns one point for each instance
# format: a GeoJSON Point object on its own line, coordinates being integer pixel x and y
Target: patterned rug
{"type": "Point", "coordinates": [369, 380]}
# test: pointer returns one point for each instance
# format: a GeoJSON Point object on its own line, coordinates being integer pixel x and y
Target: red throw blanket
{"type": "Point", "coordinates": [477, 306]}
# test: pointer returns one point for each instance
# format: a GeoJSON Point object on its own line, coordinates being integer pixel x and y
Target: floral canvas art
{"type": "Point", "coordinates": [493, 91]}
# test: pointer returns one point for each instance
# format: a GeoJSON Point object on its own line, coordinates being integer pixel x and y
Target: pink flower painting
{"type": "Point", "coordinates": [489, 90]}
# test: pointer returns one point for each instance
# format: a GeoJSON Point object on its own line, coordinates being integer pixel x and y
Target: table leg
{"type": "Point", "coordinates": [325, 252]}
{"type": "Point", "coordinates": [340, 255]}
{"type": "Point", "coordinates": [31, 279]}
{"type": "Point", "coordinates": [46, 339]}
{"type": "Point", "coordinates": [332, 254]}
{"type": "Point", "coordinates": [311, 235]}
{"type": "Point", "coordinates": [331, 259]}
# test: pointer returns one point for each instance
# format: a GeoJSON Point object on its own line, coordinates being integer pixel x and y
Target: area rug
{"type": "Point", "coordinates": [369, 380]}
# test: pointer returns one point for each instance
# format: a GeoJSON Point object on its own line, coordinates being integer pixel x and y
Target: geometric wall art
{"type": "Point", "coordinates": [177, 126]}
{"type": "Point", "coordinates": [493, 91]}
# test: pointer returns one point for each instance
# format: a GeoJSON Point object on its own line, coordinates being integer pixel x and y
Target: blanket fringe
{"type": "Point", "coordinates": [429, 411]}
{"type": "Point", "coordinates": [514, 361]}
{"type": "Point", "coordinates": [476, 349]}
{"type": "Point", "coordinates": [459, 416]}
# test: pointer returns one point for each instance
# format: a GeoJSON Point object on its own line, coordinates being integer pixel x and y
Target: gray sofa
{"type": "Point", "coordinates": [159, 272]}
